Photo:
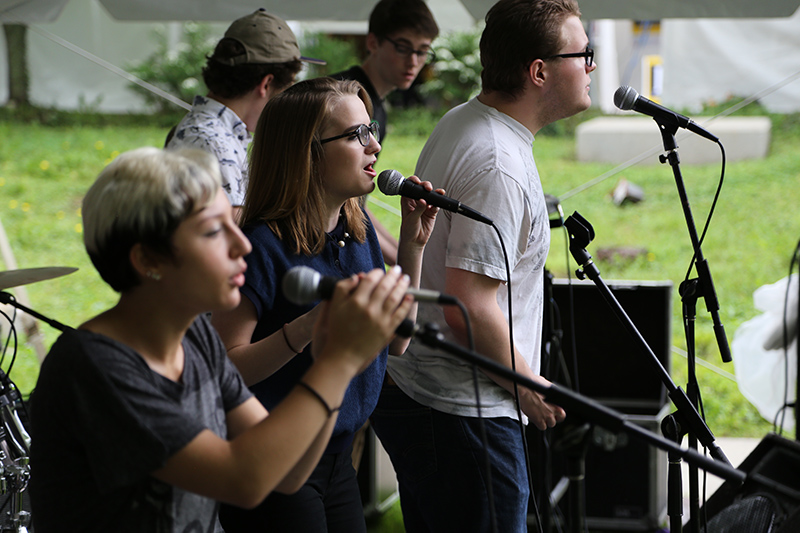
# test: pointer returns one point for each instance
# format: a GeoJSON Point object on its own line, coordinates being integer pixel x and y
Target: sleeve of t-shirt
{"type": "Point", "coordinates": [229, 166]}
{"type": "Point", "coordinates": [120, 445]}
{"type": "Point", "coordinates": [476, 247]}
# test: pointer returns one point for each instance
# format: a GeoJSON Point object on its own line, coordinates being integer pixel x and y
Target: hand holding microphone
{"type": "Point", "coordinates": [303, 285]}
{"type": "Point", "coordinates": [360, 317]}
{"type": "Point", "coordinates": [392, 183]}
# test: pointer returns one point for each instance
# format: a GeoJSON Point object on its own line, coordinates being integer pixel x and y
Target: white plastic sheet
{"type": "Point", "coordinates": [766, 371]}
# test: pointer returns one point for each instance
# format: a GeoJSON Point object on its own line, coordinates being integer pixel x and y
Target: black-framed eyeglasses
{"type": "Point", "coordinates": [362, 132]}
{"type": "Point", "coordinates": [588, 54]}
{"type": "Point", "coordinates": [406, 51]}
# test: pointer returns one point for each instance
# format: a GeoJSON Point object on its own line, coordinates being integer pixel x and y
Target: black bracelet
{"type": "Point", "coordinates": [286, 338]}
{"type": "Point", "coordinates": [319, 397]}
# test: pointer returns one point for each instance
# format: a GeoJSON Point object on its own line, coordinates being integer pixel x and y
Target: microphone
{"type": "Point", "coordinates": [627, 98]}
{"type": "Point", "coordinates": [391, 183]}
{"type": "Point", "coordinates": [303, 285]}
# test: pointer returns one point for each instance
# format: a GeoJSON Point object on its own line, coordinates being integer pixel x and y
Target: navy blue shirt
{"type": "Point", "coordinates": [270, 259]}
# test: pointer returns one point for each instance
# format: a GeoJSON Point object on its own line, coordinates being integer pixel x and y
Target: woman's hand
{"type": "Point", "coordinates": [418, 217]}
{"type": "Point", "coordinates": [361, 317]}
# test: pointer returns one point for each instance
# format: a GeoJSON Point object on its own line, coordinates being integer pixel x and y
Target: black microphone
{"type": "Point", "coordinates": [391, 182]}
{"type": "Point", "coordinates": [627, 98]}
{"type": "Point", "coordinates": [303, 285]}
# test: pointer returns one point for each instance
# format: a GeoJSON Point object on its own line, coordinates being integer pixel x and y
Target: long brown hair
{"type": "Point", "coordinates": [285, 185]}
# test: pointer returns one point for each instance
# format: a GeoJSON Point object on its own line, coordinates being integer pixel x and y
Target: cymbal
{"type": "Point", "coordinates": [15, 278]}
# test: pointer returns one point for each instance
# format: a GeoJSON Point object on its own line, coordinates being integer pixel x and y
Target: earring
{"type": "Point", "coordinates": [155, 276]}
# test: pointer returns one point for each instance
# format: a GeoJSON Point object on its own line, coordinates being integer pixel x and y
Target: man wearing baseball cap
{"type": "Point", "coordinates": [257, 58]}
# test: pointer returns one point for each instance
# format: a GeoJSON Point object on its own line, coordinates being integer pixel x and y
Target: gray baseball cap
{"type": "Point", "coordinates": [266, 39]}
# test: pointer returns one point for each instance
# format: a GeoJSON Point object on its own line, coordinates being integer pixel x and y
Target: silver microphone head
{"type": "Point", "coordinates": [300, 285]}
{"type": "Point", "coordinates": [625, 97]}
{"type": "Point", "coordinates": [389, 182]}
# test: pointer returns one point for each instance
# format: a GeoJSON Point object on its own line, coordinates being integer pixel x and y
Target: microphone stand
{"type": "Point", "coordinates": [590, 410]}
{"type": "Point", "coordinates": [7, 298]}
{"type": "Point", "coordinates": [690, 290]}
{"type": "Point", "coordinates": [581, 234]}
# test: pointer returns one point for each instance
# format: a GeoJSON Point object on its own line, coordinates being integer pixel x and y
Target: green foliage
{"type": "Point", "coordinates": [177, 69]}
{"type": "Point", "coordinates": [457, 69]}
{"type": "Point", "coordinates": [339, 53]}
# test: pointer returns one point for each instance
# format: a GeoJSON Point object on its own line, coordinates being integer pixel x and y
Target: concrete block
{"type": "Point", "coordinates": [619, 139]}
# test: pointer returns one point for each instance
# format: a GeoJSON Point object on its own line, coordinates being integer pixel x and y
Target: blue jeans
{"type": "Point", "coordinates": [440, 464]}
{"type": "Point", "coordinates": [328, 502]}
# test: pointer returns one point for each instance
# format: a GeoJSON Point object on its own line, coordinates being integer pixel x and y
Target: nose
{"type": "Point", "coordinates": [374, 146]}
{"type": "Point", "coordinates": [240, 245]}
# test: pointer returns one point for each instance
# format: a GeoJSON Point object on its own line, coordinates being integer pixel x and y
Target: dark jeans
{"type": "Point", "coordinates": [440, 464]}
{"type": "Point", "coordinates": [329, 502]}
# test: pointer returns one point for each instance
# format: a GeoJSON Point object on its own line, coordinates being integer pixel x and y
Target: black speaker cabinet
{"type": "Point", "coordinates": [626, 479]}
{"type": "Point", "coordinates": [756, 507]}
{"type": "Point", "coordinates": [611, 367]}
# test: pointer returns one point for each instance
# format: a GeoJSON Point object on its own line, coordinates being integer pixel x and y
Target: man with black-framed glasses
{"type": "Point", "coordinates": [399, 42]}
{"type": "Point", "coordinates": [536, 70]}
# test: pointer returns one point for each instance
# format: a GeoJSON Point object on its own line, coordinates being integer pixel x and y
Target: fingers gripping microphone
{"type": "Point", "coordinates": [627, 98]}
{"type": "Point", "coordinates": [391, 183]}
{"type": "Point", "coordinates": [303, 285]}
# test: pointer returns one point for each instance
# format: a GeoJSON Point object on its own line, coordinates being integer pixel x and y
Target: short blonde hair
{"type": "Point", "coordinates": [142, 196]}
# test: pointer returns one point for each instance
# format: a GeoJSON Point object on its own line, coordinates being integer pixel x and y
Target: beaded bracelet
{"type": "Point", "coordinates": [319, 397]}
{"type": "Point", "coordinates": [286, 338]}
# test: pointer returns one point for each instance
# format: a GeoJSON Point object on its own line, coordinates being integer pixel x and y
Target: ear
{"type": "Point", "coordinates": [537, 72]}
{"type": "Point", "coordinates": [265, 86]}
{"type": "Point", "coordinates": [143, 261]}
{"type": "Point", "coordinates": [372, 42]}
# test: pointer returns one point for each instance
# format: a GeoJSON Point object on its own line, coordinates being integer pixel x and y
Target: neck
{"type": "Point", "coordinates": [381, 87]}
{"type": "Point", "coordinates": [241, 107]}
{"type": "Point", "coordinates": [520, 109]}
{"type": "Point", "coordinates": [140, 321]}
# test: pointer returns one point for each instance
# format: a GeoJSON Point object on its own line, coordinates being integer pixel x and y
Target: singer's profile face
{"type": "Point", "coordinates": [569, 92]}
{"type": "Point", "coordinates": [348, 166]}
{"type": "Point", "coordinates": [208, 265]}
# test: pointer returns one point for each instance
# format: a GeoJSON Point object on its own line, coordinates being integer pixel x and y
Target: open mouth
{"type": "Point", "coordinates": [370, 170]}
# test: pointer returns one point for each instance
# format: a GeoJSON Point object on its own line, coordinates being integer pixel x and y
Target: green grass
{"type": "Point", "coordinates": [45, 169]}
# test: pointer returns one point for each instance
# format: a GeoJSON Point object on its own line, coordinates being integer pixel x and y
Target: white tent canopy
{"type": "Point", "coordinates": [38, 11]}
{"type": "Point", "coordinates": [703, 58]}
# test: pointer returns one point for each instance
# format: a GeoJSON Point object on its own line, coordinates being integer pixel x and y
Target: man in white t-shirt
{"type": "Point", "coordinates": [536, 65]}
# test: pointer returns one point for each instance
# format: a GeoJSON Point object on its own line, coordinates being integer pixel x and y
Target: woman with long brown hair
{"type": "Point", "coordinates": [313, 158]}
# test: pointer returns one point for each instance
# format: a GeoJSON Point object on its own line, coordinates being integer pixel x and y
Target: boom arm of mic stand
{"type": "Point", "coordinates": [589, 409]}
{"type": "Point", "coordinates": [581, 233]}
{"type": "Point", "coordinates": [6, 298]}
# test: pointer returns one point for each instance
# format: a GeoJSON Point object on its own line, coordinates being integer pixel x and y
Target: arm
{"type": "Point", "coordinates": [478, 293]}
{"type": "Point", "coordinates": [415, 230]}
{"type": "Point", "coordinates": [278, 451]}
{"type": "Point", "coordinates": [259, 360]}
{"type": "Point", "coordinates": [385, 239]}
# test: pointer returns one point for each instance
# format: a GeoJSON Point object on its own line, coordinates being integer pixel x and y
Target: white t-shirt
{"type": "Point", "coordinates": [484, 159]}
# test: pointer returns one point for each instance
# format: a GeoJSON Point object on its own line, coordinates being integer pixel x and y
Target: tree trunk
{"type": "Point", "coordinates": [17, 51]}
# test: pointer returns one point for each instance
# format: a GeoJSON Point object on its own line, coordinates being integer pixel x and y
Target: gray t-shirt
{"type": "Point", "coordinates": [102, 421]}
{"type": "Point", "coordinates": [484, 159]}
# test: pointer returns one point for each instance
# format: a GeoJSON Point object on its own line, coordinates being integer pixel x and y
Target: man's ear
{"type": "Point", "coordinates": [537, 72]}
{"type": "Point", "coordinates": [265, 86]}
{"type": "Point", "coordinates": [372, 42]}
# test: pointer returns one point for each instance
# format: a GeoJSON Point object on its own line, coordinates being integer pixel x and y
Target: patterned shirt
{"type": "Point", "coordinates": [216, 129]}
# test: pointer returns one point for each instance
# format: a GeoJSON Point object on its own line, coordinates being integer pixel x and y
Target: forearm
{"type": "Point", "coordinates": [410, 260]}
{"type": "Point", "coordinates": [261, 359]}
{"type": "Point", "coordinates": [281, 452]}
